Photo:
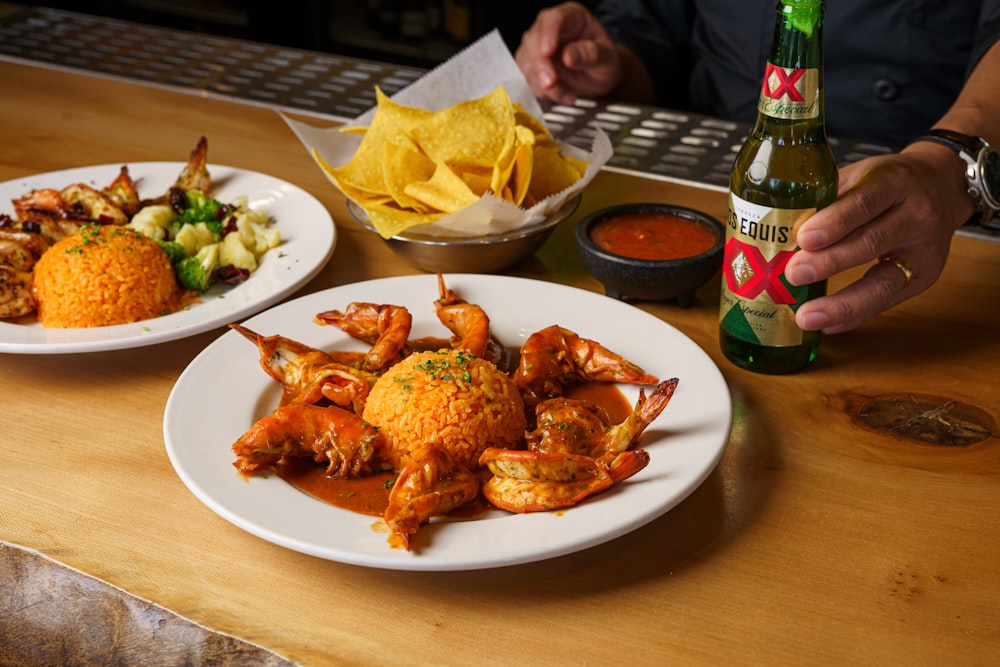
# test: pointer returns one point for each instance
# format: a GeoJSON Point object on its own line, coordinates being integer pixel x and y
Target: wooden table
{"type": "Point", "coordinates": [816, 539]}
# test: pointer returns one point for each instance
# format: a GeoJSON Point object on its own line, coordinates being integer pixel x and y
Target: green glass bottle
{"type": "Point", "coordinates": [784, 172]}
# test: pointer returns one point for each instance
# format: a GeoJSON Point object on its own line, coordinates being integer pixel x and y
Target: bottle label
{"type": "Point", "coordinates": [758, 305]}
{"type": "Point", "coordinates": [789, 93]}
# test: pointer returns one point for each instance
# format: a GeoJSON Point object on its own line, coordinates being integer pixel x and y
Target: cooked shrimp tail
{"type": "Point", "coordinates": [122, 192]}
{"type": "Point", "coordinates": [624, 435]}
{"type": "Point", "coordinates": [195, 174]}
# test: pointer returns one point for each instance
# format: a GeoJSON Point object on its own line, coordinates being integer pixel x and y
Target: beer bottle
{"type": "Point", "coordinates": [783, 173]}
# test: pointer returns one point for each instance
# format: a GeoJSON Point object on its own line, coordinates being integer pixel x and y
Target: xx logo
{"type": "Point", "coordinates": [750, 274]}
{"type": "Point", "coordinates": [779, 82]}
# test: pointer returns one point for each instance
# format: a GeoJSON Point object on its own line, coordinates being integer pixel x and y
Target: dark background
{"type": "Point", "coordinates": [417, 33]}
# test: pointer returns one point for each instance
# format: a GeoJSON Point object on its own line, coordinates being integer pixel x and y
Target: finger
{"type": "Point", "coordinates": [883, 286]}
{"type": "Point", "coordinates": [587, 54]}
{"type": "Point", "coordinates": [544, 33]}
{"type": "Point", "coordinates": [832, 224]}
{"type": "Point", "coordinates": [858, 228]}
{"type": "Point", "coordinates": [561, 93]}
{"type": "Point", "coordinates": [576, 22]}
{"type": "Point", "coordinates": [862, 245]}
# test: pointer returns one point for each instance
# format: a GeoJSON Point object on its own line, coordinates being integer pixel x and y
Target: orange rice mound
{"type": "Point", "coordinates": [447, 399]}
{"type": "Point", "coordinates": [102, 275]}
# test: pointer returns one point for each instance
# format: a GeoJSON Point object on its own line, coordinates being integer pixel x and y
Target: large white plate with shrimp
{"type": "Point", "coordinates": [224, 391]}
{"type": "Point", "coordinates": [308, 237]}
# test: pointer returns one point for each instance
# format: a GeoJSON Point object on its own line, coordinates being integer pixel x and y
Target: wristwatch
{"type": "Point", "coordinates": [982, 171]}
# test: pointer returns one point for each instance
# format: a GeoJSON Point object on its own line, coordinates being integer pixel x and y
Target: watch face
{"type": "Point", "coordinates": [991, 176]}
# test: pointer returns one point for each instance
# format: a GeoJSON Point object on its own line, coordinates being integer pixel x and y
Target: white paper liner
{"type": "Point", "coordinates": [470, 74]}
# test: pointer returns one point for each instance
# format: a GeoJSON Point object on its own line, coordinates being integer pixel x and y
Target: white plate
{"type": "Point", "coordinates": [224, 390]}
{"type": "Point", "coordinates": [308, 237]}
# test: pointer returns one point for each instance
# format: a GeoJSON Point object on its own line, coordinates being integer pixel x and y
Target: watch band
{"type": "Point", "coordinates": [954, 140]}
{"type": "Point", "coordinates": [981, 169]}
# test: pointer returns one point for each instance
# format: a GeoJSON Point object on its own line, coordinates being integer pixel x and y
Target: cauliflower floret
{"type": "Point", "coordinates": [195, 237]}
{"type": "Point", "coordinates": [232, 251]}
{"type": "Point", "coordinates": [153, 221]}
{"type": "Point", "coordinates": [255, 232]}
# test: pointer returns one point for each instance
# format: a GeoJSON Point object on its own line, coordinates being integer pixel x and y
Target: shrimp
{"type": "Point", "coordinates": [384, 326]}
{"type": "Point", "coordinates": [307, 374]}
{"type": "Point", "coordinates": [525, 481]}
{"type": "Point", "coordinates": [62, 211]}
{"type": "Point", "coordinates": [20, 249]}
{"type": "Point", "coordinates": [92, 205]}
{"type": "Point", "coordinates": [469, 324]}
{"type": "Point", "coordinates": [427, 486]}
{"type": "Point", "coordinates": [349, 445]}
{"type": "Point", "coordinates": [195, 174]}
{"type": "Point", "coordinates": [572, 426]}
{"type": "Point", "coordinates": [42, 200]}
{"type": "Point", "coordinates": [16, 297]}
{"type": "Point", "coordinates": [554, 356]}
{"type": "Point", "coordinates": [43, 211]}
{"type": "Point", "coordinates": [123, 193]}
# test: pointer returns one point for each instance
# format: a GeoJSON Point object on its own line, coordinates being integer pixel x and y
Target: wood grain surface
{"type": "Point", "coordinates": [824, 536]}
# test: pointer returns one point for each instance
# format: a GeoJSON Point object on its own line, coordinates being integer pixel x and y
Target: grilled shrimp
{"type": "Point", "coordinates": [92, 205]}
{"type": "Point", "coordinates": [58, 213]}
{"type": "Point", "coordinates": [195, 174]}
{"type": "Point", "coordinates": [16, 298]}
{"type": "Point", "coordinates": [20, 249]}
{"type": "Point", "coordinates": [123, 194]}
{"type": "Point", "coordinates": [43, 211]}
{"type": "Point", "coordinates": [344, 441]}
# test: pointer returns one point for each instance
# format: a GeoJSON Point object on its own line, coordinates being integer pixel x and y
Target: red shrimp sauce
{"type": "Point", "coordinates": [369, 495]}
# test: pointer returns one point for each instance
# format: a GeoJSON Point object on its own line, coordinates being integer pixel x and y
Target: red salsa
{"type": "Point", "coordinates": [652, 236]}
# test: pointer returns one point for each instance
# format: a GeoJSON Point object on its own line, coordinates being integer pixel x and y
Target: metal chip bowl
{"type": "Point", "coordinates": [474, 254]}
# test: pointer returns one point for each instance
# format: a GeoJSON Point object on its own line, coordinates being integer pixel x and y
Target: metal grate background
{"type": "Point", "coordinates": [650, 141]}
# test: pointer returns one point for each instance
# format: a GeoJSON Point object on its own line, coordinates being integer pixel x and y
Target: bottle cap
{"type": "Point", "coordinates": [803, 15]}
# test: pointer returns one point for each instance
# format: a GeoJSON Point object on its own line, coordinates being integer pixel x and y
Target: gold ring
{"type": "Point", "coordinates": [903, 265]}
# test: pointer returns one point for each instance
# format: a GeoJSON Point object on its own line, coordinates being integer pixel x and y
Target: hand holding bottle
{"type": "Point", "coordinates": [892, 206]}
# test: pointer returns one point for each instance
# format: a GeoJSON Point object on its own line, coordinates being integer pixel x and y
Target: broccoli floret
{"type": "Point", "coordinates": [196, 272]}
{"type": "Point", "coordinates": [175, 251]}
{"type": "Point", "coordinates": [202, 208]}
